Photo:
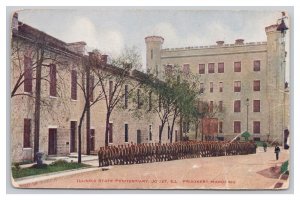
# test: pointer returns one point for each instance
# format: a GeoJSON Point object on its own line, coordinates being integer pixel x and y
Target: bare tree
{"type": "Point", "coordinates": [113, 78]}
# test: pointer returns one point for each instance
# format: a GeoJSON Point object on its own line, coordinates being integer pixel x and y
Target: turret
{"type": "Point", "coordinates": [153, 55]}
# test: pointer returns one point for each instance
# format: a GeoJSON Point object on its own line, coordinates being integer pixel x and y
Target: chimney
{"type": "Point", "coordinates": [15, 22]}
{"type": "Point", "coordinates": [239, 41]}
{"type": "Point", "coordinates": [220, 43]}
{"type": "Point", "coordinates": [104, 59]}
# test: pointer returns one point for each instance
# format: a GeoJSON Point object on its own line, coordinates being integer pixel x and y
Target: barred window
{"type": "Point", "coordinates": [211, 87]}
{"type": "Point", "coordinates": [237, 86]}
{"type": "Point", "coordinates": [256, 105]}
{"type": "Point", "coordinates": [27, 74]}
{"type": "Point", "coordinates": [256, 65]}
{"type": "Point", "coordinates": [237, 67]}
{"type": "Point", "coordinates": [220, 67]}
{"type": "Point", "coordinates": [237, 127]}
{"type": "Point", "coordinates": [201, 68]}
{"type": "Point", "coordinates": [74, 85]}
{"type": "Point", "coordinates": [211, 68]}
{"type": "Point", "coordinates": [53, 80]}
{"type": "Point", "coordinates": [220, 86]}
{"type": "Point", "coordinates": [237, 106]}
{"type": "Point", "coordinates": [256, 127]}
{"type": "Point", "coordinates": [256, 85]}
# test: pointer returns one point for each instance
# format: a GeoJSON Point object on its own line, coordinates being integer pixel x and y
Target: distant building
{"type": "Point", "coordinates": [245, 80]}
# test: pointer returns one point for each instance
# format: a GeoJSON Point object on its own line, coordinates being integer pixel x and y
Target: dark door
{"type": "Point", "coordinates": [52, 141]}
{"type": "Point", "coordinates": [138, 137]}
{"type": "Point", "coordinates": [73, 136]}
{"type": "Point", "coordinates": [92, 135]}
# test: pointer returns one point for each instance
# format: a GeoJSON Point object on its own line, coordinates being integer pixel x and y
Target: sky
{"type": "Point", "coordinates": [112, 29]}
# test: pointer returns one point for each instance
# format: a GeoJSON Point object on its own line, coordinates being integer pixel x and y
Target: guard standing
{"type": "Point", "coordinates": [277, 151]}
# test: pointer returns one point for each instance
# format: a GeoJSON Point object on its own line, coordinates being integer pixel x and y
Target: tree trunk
{"type": "Point", "coordinates": [37, 108]}
{"type": "Point", "coordinates": [172, 128]}
{"type": "Point", "coordinates": [107, 128]}
{"type": "Point", "coordinates": [79, 134]}
{"type": "Point", "coordinates": [88, 118]}
{"type": "Point", "coordinates": [180, 128]}
{"type": "Point", "coordinates": [196, 127]}
{"type": "Point", "coordinates": [160, 131]}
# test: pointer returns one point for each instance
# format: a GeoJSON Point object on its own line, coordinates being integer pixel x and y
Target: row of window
{"type": "Point", "coordinates": [236, 106]}
{"type": "Point", "coordinates": [236, 86]}
{"type": "Point", "coordinates": [237, 67]}
{"type": "Point", "coordinates": [237, 127]}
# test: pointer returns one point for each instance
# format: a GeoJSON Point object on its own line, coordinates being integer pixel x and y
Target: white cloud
{"type": "Point", "coordinates": [108, 41]}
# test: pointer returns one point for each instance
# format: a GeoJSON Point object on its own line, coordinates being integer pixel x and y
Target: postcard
{"type": "Point", "coordinates": [150, 98]}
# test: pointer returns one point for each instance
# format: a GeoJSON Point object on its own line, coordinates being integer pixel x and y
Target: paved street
{"type": "Point", "coordinates": [234, 172]}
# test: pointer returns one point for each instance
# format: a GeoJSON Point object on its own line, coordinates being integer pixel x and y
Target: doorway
{"type": "Point", "coordinates": [52, 141]}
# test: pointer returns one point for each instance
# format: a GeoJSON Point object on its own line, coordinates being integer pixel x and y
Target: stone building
{"type": "Point", "coordinates": [62, 100]}
{"type": "Point", "coordinates": [245, 80]}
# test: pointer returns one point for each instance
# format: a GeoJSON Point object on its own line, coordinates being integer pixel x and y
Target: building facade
{"type": "Point", "coordinates": [62, 100]}
{"type": "Point", "coordinates": [245, 80]}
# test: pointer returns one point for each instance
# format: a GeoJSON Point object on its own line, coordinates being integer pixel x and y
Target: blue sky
{"type": "Point", "coordinates": [111, 29]}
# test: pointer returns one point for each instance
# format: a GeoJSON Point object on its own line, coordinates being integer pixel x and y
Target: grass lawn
{"type": "Point", "coordinates": [56, 166]}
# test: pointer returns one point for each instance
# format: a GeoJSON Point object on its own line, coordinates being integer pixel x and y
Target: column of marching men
{"type": "Point", "coordinates": [155, 152]}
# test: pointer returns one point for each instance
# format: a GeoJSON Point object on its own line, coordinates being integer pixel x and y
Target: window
{"type": "Point", "coordinates": [111, 85]}
{"type": "Point", "coordinates": [220, 127]}
{"type": "Point", "coordinates": [211, 87]}
{"type": "Point", "coordinates": [237, 127]}
{"type": "Point", "coordinates": [201, 88]}
{"type": "Point", "coordinates": [220, 86]}
{"type": "Point", "coordinates": [220, 106]}
{"type": "Point", "coordinates": [92, 88]}
{"type": "Point", "coordinates": [256, 127]}
{"type": "Point", "coordinates": [53, 80]}
{"type": "Point", "coordinates": [256, 65]}
{"type": "Point", "coordinates": [201, 68]}
{"type": "Point", "coordinates": [237, 106]}
{"type": "Point", "coordinates": [186, 69]}
{"type": "Point", "coordinates": [211, 106]}
{"type": "Point", "coordinates": [211, 68]}
{"type": "Point", "coordinates": [237, 86]}
{"type": "Point", "coordinates": [27, 130]}
{"type": "Point", "coordinates": [126, 97]}
{"type": "Point", "coordinates": [74, 85]}
{"type": "Point", "coordinates": [151, 54]}
{"type": "Point", "coordinates": [150, 132]}
{"type": "Point", "coordinates": [220, 67]}
{"type": "Point", "coordinates": [138, 99]}
{"type": "Point", "coordinates": [256, 105]}
{"type": "Point", "coordinates": [237, 67]}
{"type": "Point", "coordinates": [256, 85]}
{"type": "Point", "coordinates": [27, 74]}
{"type": "Point", "coordinates": [169, 132]}
{"type": "Point", "coordinates": [126, 132]}
{"type": "Point", "coordinates": [110, 132]}
{"type": "Point", "coordinates": [150, 100]}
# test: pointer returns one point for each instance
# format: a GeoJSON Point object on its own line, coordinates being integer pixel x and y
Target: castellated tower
{"type": "Point", "coordinates": [276, 82]}
{"type": "Point", "coordinates": [153, 55]}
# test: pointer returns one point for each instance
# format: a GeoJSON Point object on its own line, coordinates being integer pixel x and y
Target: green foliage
{"type": "Point", "coordinates": [246, 135]}
{"type": "Point", "coordinates": [59, 165]}
{"type": "Point", "coordinates": [284, 167]}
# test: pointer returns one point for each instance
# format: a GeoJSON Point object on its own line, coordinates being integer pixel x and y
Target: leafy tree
{"type": "Point", "coordinates": [246, 135]}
